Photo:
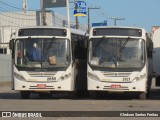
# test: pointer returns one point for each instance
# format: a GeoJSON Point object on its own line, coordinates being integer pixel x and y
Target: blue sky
{"type": "Point", "coordinates": [139, 13]}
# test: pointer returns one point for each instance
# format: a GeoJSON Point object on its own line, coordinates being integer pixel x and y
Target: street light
{"type": "Point", "coordinates": [89, 8]}
{"type": "Point", "coordinates": [115, 20]}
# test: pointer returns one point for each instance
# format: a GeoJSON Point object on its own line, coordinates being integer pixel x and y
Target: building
{"type": "Point", "coordinates": [10, 21]}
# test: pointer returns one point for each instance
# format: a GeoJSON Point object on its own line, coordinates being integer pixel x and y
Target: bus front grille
{"type": "Point", "coordinates": [111, 88]}
{"type": "Point", "coordinates": [41, 74]}
{"type": "Point", "coordinates": [116, 74]}
{"type": "Point", "coordinates": [46, 87]}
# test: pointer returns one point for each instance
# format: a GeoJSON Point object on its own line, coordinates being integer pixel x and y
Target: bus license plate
{"type": "Point", "coordinates": [41, 85]}
{"type": "Point", "coordinates": [115, 86]}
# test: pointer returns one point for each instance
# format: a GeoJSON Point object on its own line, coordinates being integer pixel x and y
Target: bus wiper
{"type": "Point", "coordinates": [124, 44]}
{"type": "Point", "coordinates": [50, 44]}
{"type": "Point", "coordinates": [103, 37]}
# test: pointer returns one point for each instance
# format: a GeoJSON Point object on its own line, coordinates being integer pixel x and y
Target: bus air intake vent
{"type": "Point", "coordinates": [41, 74]}
{"type": "Point", "coordinates": [46, 87]}
{"type": "Point", "coordinates": [116, 88]}
{"type": "Point", "coordinates": [116, 74]}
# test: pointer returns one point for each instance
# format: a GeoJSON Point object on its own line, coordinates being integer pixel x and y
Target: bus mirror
{"type": "Point", "coordinates": [11, 44]}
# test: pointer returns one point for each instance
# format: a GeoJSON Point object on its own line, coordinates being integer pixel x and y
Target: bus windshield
{"type": "Point", "coordinates": [42, 52]}
{"type": "Point", "coordinates": [116, 52]}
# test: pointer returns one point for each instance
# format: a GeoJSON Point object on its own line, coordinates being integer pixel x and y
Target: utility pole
{"type": "Point", "coordinates": [115, 20]}
{"type": "Point", "coordinates": [42, 10]}
{"type": "Point", "coordinates": [3, 37]}
{"type": "Point", "coordinates": [75, 7]}
{"type": "Point", "coordinates": [77, 23]}
{"type": "Point", "coordinates": [68, 14]}
{"type": "Point", "coordinates": [43, 15]}
{"type": "Point", "coordinates": [89, 8]}
{"type": "Point", "coordinates": [25, 6]}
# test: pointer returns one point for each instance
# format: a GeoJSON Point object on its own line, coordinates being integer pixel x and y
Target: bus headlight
{"type": "Point", "coordinates": [139, 78]}
{"type": "Point", "coordinates": [18, 76]}
{"type": "Point", "coordinates": [92, 76]}
{"type": "Point", "coordinates": [66, 76]}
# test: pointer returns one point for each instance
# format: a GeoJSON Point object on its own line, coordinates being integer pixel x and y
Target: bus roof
{"type": "Point", "coordinates": [121, 31]}
{"type": "Point", "coordinates": [74, 31]}
{"type": "Point", "coordinates": [118, 27]}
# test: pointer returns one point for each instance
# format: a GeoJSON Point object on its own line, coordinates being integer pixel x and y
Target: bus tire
{"type": "Point", "coordinates": [25, 95]}
{"type": "Point", "coordinates": [142, 96]}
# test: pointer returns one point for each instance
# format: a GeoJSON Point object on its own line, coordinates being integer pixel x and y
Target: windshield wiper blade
{"type": "Point", "coordinates": [124, 44]}
{"type": "Point", "coordinates": [50, 44]}
{"type": "Point", "coordinates": [103, 37]}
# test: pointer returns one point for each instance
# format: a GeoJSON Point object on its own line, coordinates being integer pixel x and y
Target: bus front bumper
{"type": "Point", "coordinates": [139, 86]}
{"type": "Point", "coordinates": [65, 85]}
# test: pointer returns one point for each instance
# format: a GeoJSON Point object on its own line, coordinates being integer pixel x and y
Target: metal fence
{"type": "Point", "coordinates": [5, 68]}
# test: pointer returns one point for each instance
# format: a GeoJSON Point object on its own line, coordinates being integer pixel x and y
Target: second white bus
{"type": "Point", "coordinates": [119, 60]}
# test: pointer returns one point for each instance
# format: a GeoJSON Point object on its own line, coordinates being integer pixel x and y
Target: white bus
{"type": "Point", "coordinates": [44, 60]}
{"type": "Point", "coordinates": [119, 60]}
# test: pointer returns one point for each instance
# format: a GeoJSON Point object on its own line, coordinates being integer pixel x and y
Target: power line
{"type": "Point", "coordinates": [15, 17]}
{"type": "Point", "coordinates": [101, 12]}
{"type": "Point", "coordinates": [23, 16]}
{"type": "Point", "coordinates": [11, 6]}
{"type": "Point", "coordinates": [4, 10]}
{"type": "Point", "coordinates": [59, 21]}
{"type": "Point", "coordinates": [10, 21]}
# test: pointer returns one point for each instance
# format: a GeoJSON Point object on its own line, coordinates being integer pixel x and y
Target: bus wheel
{"type": "Point", "coordinates": [25, 95]}
{"type": "Point", "coordinates": [142, 96]}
